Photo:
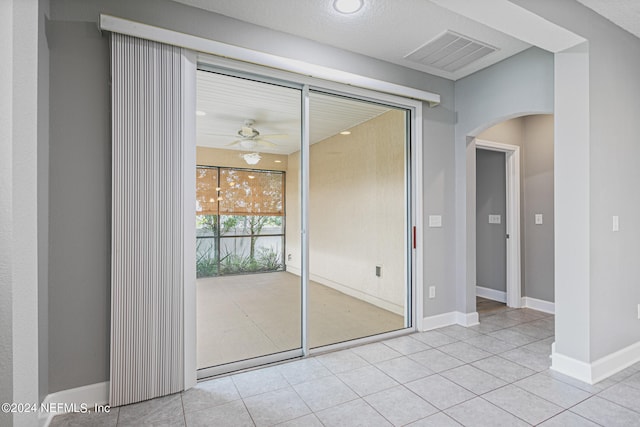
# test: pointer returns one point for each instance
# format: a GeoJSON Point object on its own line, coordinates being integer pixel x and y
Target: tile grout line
{"type": "Point", "coordinates": [508, 412]}
{"type": "Point", "coordinates": [184, 413]}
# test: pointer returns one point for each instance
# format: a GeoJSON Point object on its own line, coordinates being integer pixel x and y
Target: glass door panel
{"type": "Point", "coordinates": [358, 230]}
{"type": "Point", "coordinates": [248, 304]}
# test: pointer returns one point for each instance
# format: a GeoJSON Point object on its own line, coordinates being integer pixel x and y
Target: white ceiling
{"type": "Point", "coordinates": [624, 13]}
{"type": "Point", "coordinates": [383, 29]}
{"type": "Point", "coordinates": [228, 101]}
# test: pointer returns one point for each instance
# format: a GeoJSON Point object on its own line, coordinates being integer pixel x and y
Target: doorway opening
{"type": "Point", "coordinates": [491, 231]}
{"type": "Point", "coordinates": [528, 140]}
{"type": "Point", "coordinates": [498, 255]}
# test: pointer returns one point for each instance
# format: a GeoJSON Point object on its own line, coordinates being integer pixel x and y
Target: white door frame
{"type": "Point", "coordinates": [512, 159]}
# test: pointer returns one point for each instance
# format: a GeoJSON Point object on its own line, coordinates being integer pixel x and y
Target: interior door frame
{"type": "Point", "coordinates": [414, 270]}
{"type": "Point", "coordinates": [514, 260]}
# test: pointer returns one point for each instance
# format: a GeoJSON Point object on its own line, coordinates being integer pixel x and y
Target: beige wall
{"type": "Point", "coordinates": [357, 212]}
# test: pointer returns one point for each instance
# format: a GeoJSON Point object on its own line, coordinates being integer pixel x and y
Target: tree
{"type": "Point", "coordinates": [255, 224]}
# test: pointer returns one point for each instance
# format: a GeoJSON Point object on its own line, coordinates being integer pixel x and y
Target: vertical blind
{"type": "Point", "coordinates": [147, 333]}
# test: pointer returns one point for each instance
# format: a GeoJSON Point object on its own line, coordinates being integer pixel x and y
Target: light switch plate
{"type": "Point", "coordinates": [538, 219]}
{"type": "Point", "coordinates": [495, 219]}
{"type": "Point", "coordinates": [616, 223]}
{"type": "Point", "coordinates": [435, 221]}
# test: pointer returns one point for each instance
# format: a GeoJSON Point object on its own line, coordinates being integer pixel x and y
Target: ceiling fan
{"type": "Point", "coordinates": [250, 137]}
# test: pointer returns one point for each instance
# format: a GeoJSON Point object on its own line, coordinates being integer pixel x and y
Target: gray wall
{"type": "Point", "coordinates": [439, 186]}
{"type": "Point", "coordinates": [538, 193]}
{"type": "Point", "coordinates": [518, 86]}
{"type": "Point", "coordinates": [43, 198]}
{"type": "Point", "coordinates": [6, 220]}
{"type": "Point", "coordinates": [610, 152]}
{"type": "Point", "coordinates": [534, 136]}
{"type": "Point", "coordinates": [23, 112]}
{"type": "Point", "coordinates": [491, 192]}
{"type": "Point", "coordinates": [80, 206]}
{"type": "Point", "coordinates": [79, 262]}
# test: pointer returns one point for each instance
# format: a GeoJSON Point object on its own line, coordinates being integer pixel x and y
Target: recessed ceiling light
{"type": "Point", "coordinates": [250, 176]}
{"type": "Point", "coordinates": [345, 132]}
{"type": "Point", "coordinates": [200, 113]}
{"type": "Point", "coordinates": [347, 6]}
{"type": "Point", "coordinates": [277, 161]}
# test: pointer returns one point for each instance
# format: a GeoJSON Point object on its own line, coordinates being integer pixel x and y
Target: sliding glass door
{"type": "Point", "coordinates": [302, 220]}
{"type": "Point", "coordinates": [358, 210]}
{"type": "Point", "coordinates": [249, 308]}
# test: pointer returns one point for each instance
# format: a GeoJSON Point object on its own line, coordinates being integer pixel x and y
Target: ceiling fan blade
{"type": "Point", "coordinates": [276, 135]}
{"type": "Point", "coordinates": [266, 143]}
{"type": "Point", "coordinates": [237, 141]}
{"type": "Point", "coordinates": [220, 134]}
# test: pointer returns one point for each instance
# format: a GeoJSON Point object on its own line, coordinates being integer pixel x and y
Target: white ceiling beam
{"type": "Point", "coordinates": [515, 21]}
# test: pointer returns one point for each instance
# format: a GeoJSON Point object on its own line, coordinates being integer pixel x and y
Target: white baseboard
{"type": "Point", "coordinates": [74, 399]}
{"type": "Point", "coordinates": [539, 305]}
{"type": "Point", "coordinates": [600, 369]}
{"type": "Point", "coordinates": [439, 321]}
{"type": "Point", "coordinates": [491, 294]}
{"type": "Point", "coordinates": [467, 319]}
{"type": "Point", "coordinates": [447, 319]}
{"type": "Point", "coordinates": [363, 296]}
{"type": "Point", "coordinates": [572, 367]}
{"type": "Point", "coordinates": [615, 362]}
{"type": "Point", "coordinates": [293, 270]}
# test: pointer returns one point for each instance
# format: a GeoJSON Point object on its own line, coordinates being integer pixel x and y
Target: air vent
{"type": "Point", "coordinates": [450, 52]}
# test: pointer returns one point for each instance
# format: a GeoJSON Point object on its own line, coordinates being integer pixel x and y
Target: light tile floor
{"type": "Point", "coordinates": [493, 374]}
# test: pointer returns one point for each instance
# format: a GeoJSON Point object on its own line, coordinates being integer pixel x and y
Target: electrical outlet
{"type": "Point", "coordinates": [638, 311]}
{"type": "Point", "coordinates": [289, 257]}
{"type": "Point", "coordinates": [432, 292]}
{"type": "Point", "coordinates": [379, 270]}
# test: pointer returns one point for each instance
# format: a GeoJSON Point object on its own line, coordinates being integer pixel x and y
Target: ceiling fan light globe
{"type": "Point", "coordinates": [251, 158]}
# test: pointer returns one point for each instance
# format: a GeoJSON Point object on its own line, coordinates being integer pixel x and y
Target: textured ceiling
{"type": "Point", "coordinates": [383, 29]}
{"type": "Point", "coordinates": [624, 13]}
